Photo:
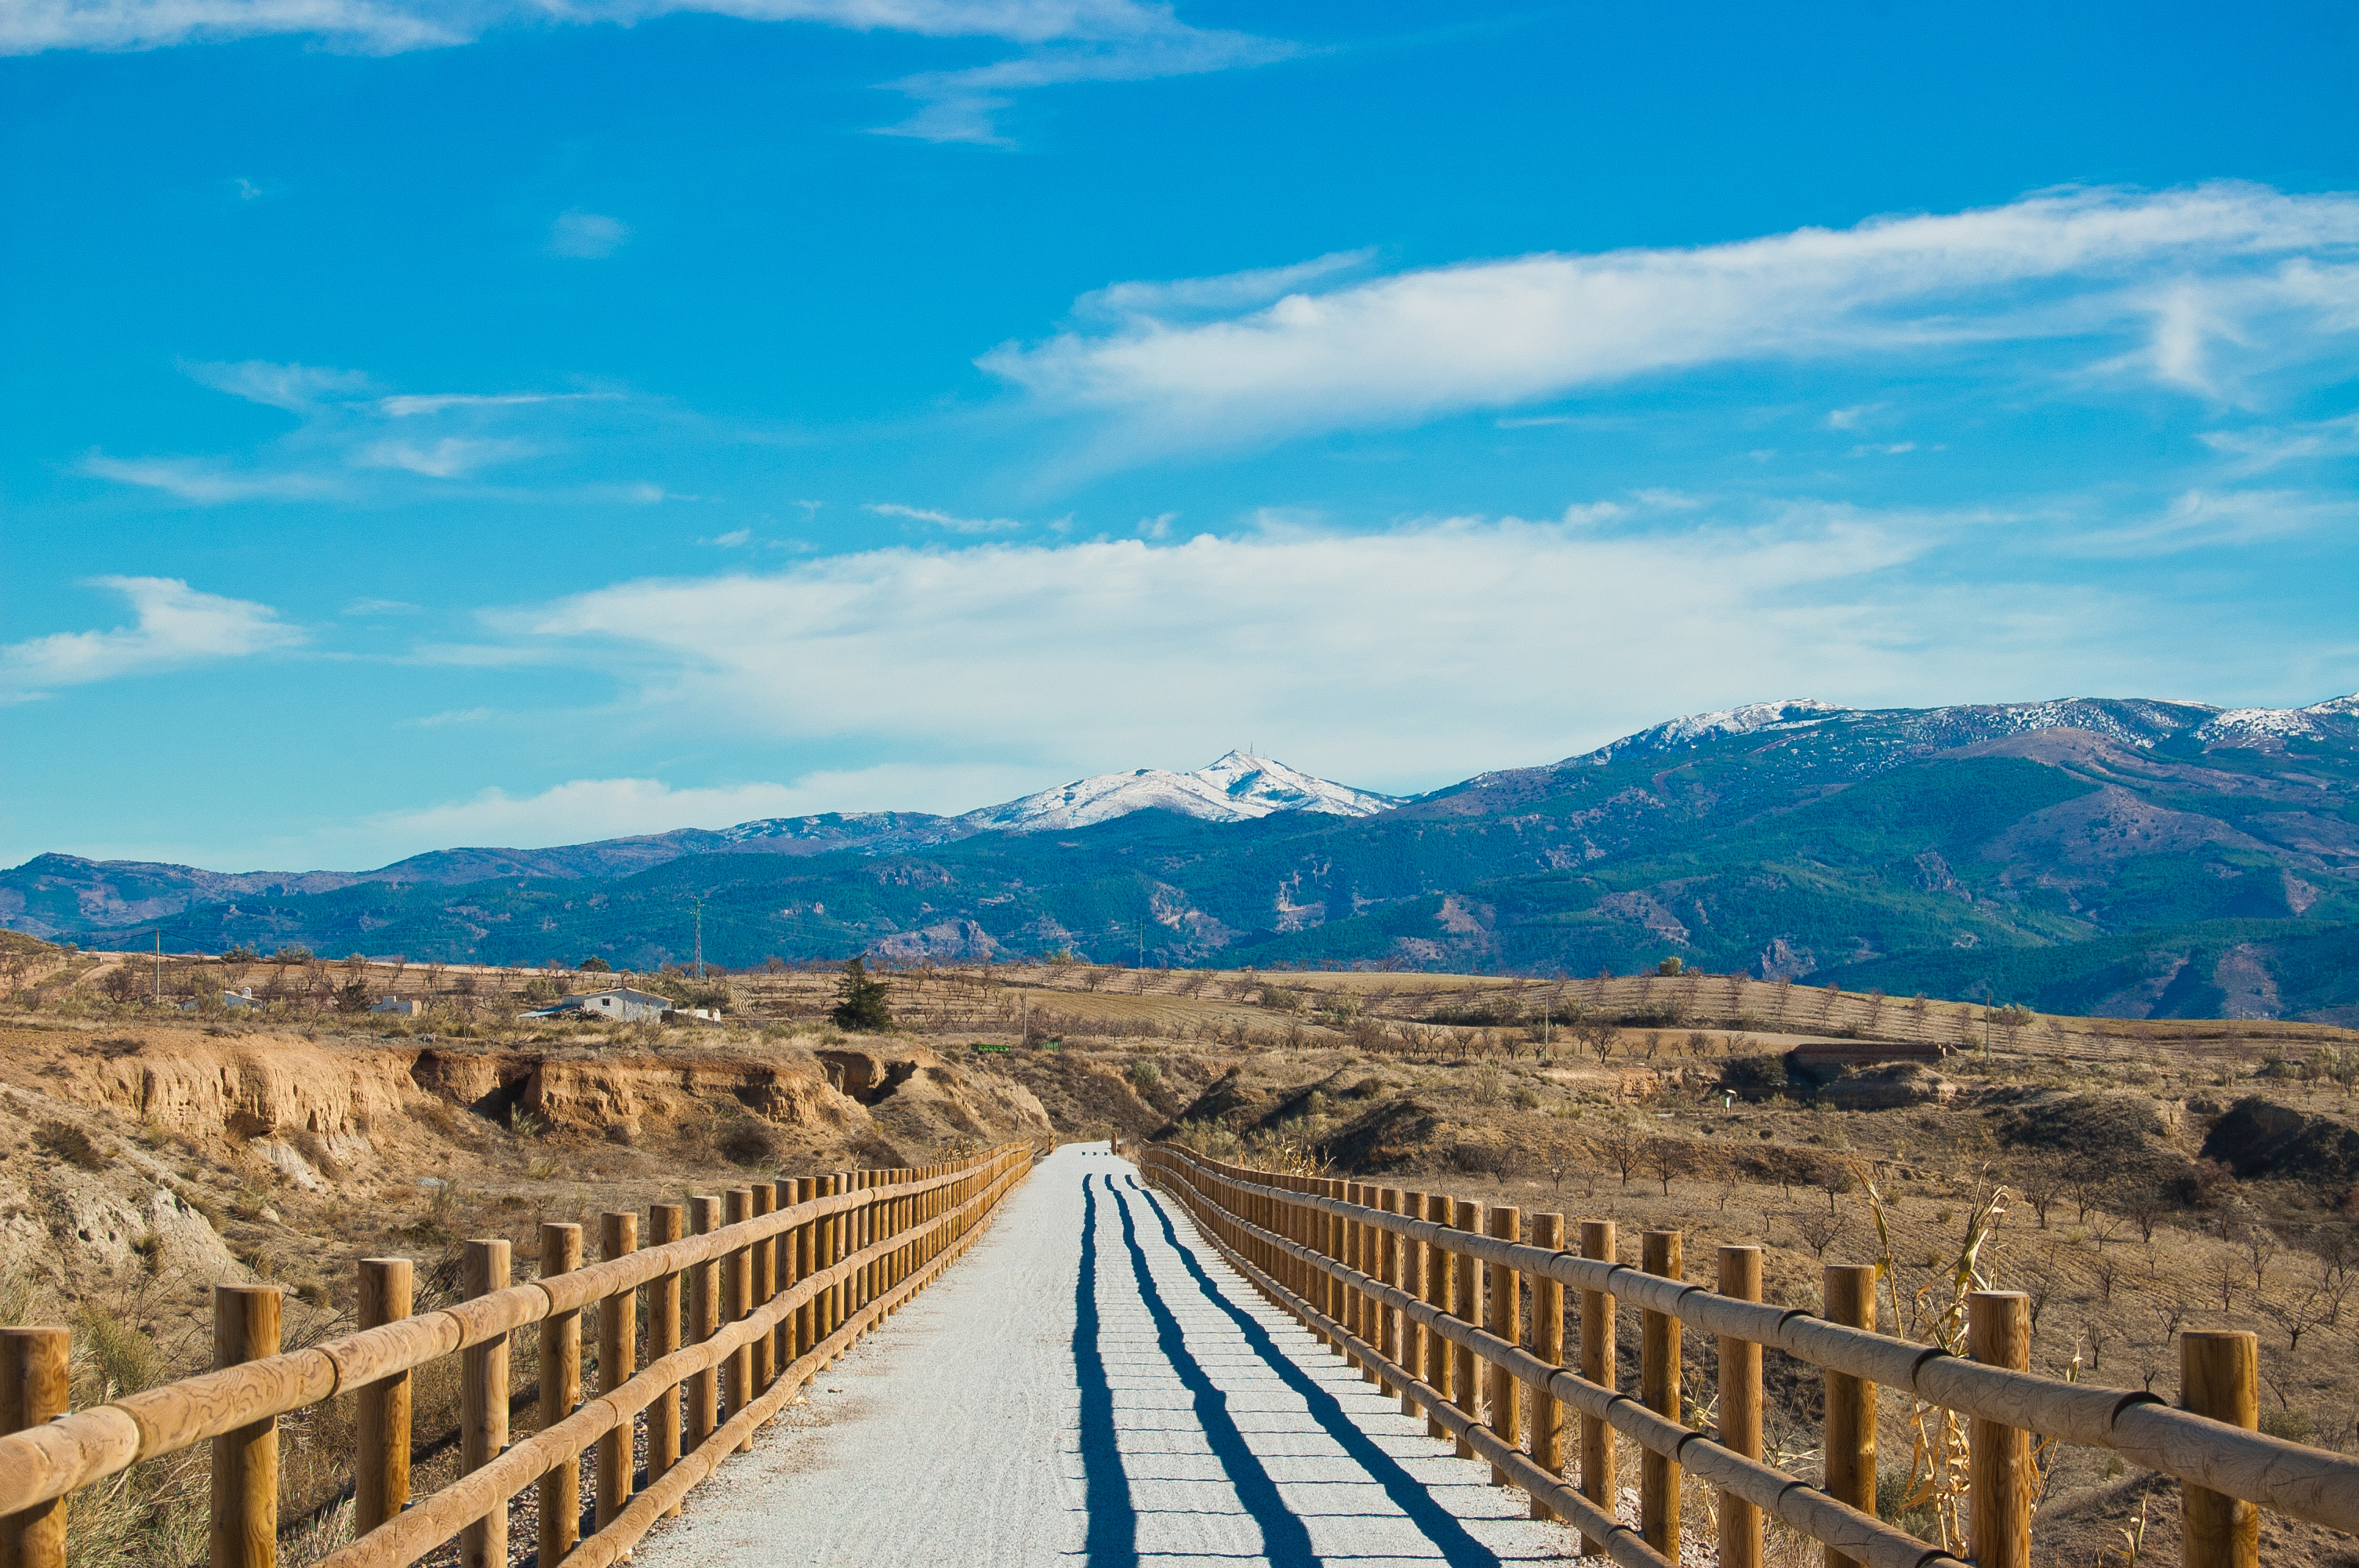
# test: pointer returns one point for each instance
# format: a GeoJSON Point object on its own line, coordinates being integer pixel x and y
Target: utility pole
{"type": "Point", "coordinates": [700, 940]}
{"type": "Point", "coordinates": [159, 974]}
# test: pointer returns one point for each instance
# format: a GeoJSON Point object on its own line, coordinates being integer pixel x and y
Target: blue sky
{"type": "Point", "coordinates": [511, 423]}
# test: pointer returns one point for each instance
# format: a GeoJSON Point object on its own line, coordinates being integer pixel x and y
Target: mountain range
{"type": "Point", "coordinates": [2127, 857]}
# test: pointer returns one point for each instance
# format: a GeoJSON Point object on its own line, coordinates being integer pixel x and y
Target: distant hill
{"type": "Point", "coordinates": [2126, 857]}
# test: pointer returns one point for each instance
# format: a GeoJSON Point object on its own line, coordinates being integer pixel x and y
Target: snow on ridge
{"type": "Point", "coordinates": [1238, 787]}
{"type": "Point", "coordinates": [2275, 723]}
{"type": "Point", "coordinates": [1746, 719]}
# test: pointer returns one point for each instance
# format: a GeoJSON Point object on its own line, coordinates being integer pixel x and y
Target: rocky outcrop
{"type": "Point", "coordinates": [1892, 1087]}
{"type": "Point", "coordinates": [2260, 1140]}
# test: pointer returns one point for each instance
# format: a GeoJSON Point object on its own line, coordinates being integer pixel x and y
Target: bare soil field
{"type": "Point", "coordinates": [2136, 1179]}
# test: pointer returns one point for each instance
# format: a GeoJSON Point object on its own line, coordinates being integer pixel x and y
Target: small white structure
{"type": "Point", "coordinates": [234, 1000]}
{"type": "Point", "coordinates": [622, 1004]}
{"type": "Point", "coordinates": [400, 1007]}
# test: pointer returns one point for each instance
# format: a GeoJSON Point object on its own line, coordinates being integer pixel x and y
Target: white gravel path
{"type": "Point", "coordinates": [1092, 1385]}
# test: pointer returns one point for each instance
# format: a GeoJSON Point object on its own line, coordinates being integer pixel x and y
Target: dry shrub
{"type": "Point", "coordinates": [748, 1142]}
{"type": "Point", "coordinates": [63, 1141]}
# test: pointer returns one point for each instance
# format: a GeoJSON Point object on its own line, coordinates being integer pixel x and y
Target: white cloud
{"type": "Point", "coordinates": [737, 538]}
{"type": "Point", "coordinates": [210, 483]}
{"type": "Point", "coordinates": [586, 809]}
{"type": "Point", "coordinates": [380, 607]}
{"type": "Point", "coordinates": [174, 625]}
{"type": "Point", "coordinates": [1849, 418]}
{"type": "Point", "coordinates": [956, 524]}
{"type": "Point", "coordinates": [1144, 42]}
{"type": "Point", "coordinates": [2187, 271]}
{"type": "Point", "coordinates": [587, 236]}
{"type": "Point", "coordinates": [1882, 449]}
{"type": "Point", "coordinates": [1212, 295]}
{"type": "Point", "coordinates": [348, 437]}
{"type": "Point", "coordinates": [2204, 519]}
{"type": "Point", "coordinates": [2263, 447]}
{"type": "Point", "coordinates": [1062, 41]}
{"type": "Point", "coordinates": [299, 389]}
{"type": "Point", "coordinates": [1384, 658]}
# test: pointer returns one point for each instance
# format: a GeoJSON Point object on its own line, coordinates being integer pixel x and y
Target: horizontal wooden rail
{"type": "Point", "coordinates": [909, 1225]}
{"type": "Point", "coordinates": [73, 1451]}
{"type": "Point", "coordinates": [437, 1519]}
{"type": "Point", "coordinates": [2292, 1478]}
{"type": "Point", "coordinates": [1861, 1535]}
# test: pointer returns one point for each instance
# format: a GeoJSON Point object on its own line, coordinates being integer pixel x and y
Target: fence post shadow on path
{"type": "Point", "coordinates": [1286, 1541]}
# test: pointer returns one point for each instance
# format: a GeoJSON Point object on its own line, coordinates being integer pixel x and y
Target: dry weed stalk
{"type": "Point", "coordinates": [1936, 1314]}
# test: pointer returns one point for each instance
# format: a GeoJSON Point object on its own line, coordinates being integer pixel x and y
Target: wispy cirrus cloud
{"type": "Point", "coordinates": [1060, 41]}
{"type": "Point", "coordinates": [2262, 447]}
{"type": "Point", "coordinates": [2211, 518]}
{"type": "Point", "coordinates": [950, 520]}
{"type": "Point", "coordinates": [350, 438]}
{"type": "Point", "coordinates": [173, 624]}
{"type": "Point", "coordinates": [587, 236]}
{"type": "Point", "coordinates": [2193, 288]}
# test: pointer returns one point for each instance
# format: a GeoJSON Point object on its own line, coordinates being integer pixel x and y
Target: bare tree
{"type": "Point", "coordinates": [1669, 1159]}
{"type": "Point", "coordinates": [1623, 1149]}
{"type": "Point", "coordinates": [1818, 1231]}
{"type": "Point", "coordinates": [2261, 1245]}
{"type": "Point", "coordinates": [2296, 1314]}
{"type": "Point", "coordinates": [2040, 1184]}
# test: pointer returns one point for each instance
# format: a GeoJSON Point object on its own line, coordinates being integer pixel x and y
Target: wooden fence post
{"type": "Point", "coordinates": [618, 1348]}
{"type": "Point", "coordinates": [1412, 1284]}
{"type": "Point", "coordinates": [806, 1264]}
{"type": "Point", "coordinates": [35, 1385]}
{"type": "Point", "coordinates": [1998, 1465]}
{"type": "Point", "coordinates": [1598, 1481]}
{"type": "Point", "coordinates": [561, 1389]}
{"type": "Point", "coordinates": [380, 1478]}
{"type": "Point", "coordinates": [789, 1269]}
{"type": "Point", "coordinates": [2219, 1375]}
{"type": "Point", "coordinates": [1659, 1391]}
{"type": "Point", "coordinates": [1389, 1321]}
{"type": "Point", "coordinates": [1547, 1344]}
{"type": "Point", "coordinates": [864, 1232]}
{"type": "Point", "coordinates": [842, 1243]}
{"type": "Point", "coordinates": [1506, 1321]}
{"type": "Point", "coordinates": [246, 1462]}
{"type": "Point", "coordinates": [666, 1222]}
{"type": "Point", "coordinates": [1849, 1289]}
{"type": "Point", "coordinates": [1439, 1291]}
{"type": "Point", "coordinates": [766, 1285]}
{"type": "Point", "coordinates": [703, 1321]}
{"type": "Point", "coordinates": [1466, 1390]}
{"type": "Point", "coordinates": [1740, 1409]}
{"type": "Point", "coordinates": [483, 1403]}
{"type": "Point", "coordinates": [1369, 1245]}
{"type": "Point", "coordinates": [737, 1300]}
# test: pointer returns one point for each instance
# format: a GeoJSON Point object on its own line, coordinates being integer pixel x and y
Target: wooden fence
{"type": "Point", "coordinates": [777, 1279]}
{"type": "Point", "coordinates": [1398, 1282]}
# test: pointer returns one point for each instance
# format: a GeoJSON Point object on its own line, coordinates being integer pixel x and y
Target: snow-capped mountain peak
{"type": "Point", "coordinates": [1235, 788]}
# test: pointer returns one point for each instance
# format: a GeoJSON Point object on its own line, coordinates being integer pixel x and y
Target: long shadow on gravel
{"type": "Point", "coordinates": [1112, 1541]}
{"type": "Point", "coordinates": [1439, 1525]}
{"type": "Point", "coordinates": [1284, 1540]}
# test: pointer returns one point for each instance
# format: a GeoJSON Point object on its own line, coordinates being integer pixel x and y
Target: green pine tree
{"type": "Point", "coordinates": [860, 1002]}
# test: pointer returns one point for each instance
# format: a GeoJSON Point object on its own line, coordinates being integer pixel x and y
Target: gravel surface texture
{"type": "Point", "coordinates": [1092, 1384]}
